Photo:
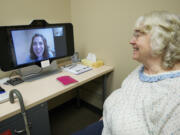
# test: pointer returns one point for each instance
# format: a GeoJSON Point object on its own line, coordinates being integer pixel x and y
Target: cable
{"type": "Point", "coordinates": [13, 72]}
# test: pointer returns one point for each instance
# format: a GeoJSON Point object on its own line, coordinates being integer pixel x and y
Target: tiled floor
{"type": "Point", "coordinates": [68, 118]}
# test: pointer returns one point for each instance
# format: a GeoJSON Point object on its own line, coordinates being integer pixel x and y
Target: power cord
{"type": "Point", "coordinates": [11, 75]}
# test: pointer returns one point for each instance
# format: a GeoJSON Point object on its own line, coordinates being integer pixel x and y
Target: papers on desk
{"type": "Point", "coordinates": [4, 97]}
{"type": "Point", "coordinates": [77, 68]}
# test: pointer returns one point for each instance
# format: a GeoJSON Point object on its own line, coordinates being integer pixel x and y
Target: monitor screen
{"type": "Point", "coordinates": [31, 45]}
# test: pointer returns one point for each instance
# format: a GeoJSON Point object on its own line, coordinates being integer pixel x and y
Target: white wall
{"type": "Point", "coordinates": [105, 27]}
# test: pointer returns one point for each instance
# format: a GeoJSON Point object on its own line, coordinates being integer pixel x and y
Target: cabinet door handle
{"type": "Point", "coordinates": [19, 132]}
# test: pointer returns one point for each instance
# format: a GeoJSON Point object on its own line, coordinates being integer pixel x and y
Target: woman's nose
{"type": "Point", "coordinates": [132, 41]}
{"type": "Point", "coordinates": [38, 46]}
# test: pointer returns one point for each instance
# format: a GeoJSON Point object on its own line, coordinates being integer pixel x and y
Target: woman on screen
{"type": "Point", "coordinates": [39, 49]}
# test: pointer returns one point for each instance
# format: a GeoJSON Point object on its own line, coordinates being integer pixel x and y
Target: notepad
{"type": "Point", "coordinates": [66, 80]}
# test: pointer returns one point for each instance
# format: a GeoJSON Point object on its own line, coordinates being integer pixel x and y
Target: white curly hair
{"type": "Point", "coordinates": [164, 28]}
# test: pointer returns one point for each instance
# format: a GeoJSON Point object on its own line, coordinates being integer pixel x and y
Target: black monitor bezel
{"type": "Point", "coordinates": [6, 44]}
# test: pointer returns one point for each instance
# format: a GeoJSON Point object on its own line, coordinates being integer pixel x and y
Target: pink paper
{"type": "Point", "coordinates": [66, 80]}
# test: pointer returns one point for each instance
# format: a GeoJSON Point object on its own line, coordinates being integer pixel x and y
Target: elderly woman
{"type": "Point", "coordinates": [148, 103]}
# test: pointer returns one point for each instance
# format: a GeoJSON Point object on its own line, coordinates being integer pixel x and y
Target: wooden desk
{"type": "Point", "coordinates": [43, 89]}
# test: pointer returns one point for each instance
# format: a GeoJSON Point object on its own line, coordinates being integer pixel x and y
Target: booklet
{"type": "Point", "coordinates": [66, 80]}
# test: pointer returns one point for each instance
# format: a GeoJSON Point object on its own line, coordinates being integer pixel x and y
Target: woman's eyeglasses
{"type": "Point", "coordinates": [138, 33]}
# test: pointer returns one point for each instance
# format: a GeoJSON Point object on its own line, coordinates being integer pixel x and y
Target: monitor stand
{"type": "Point", "coordinates": [35, 72]}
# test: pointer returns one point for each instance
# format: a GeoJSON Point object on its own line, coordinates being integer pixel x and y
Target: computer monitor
{"type": "Point", "coordinates": [26, 45]}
